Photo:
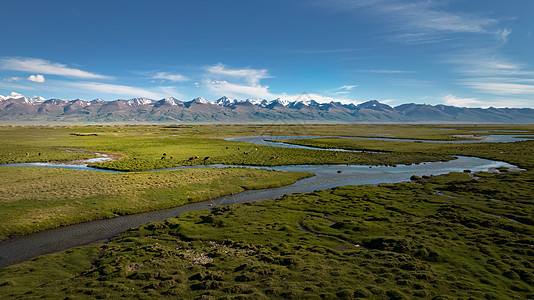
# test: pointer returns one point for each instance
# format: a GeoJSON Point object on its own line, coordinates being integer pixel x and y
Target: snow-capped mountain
{"type": "Point", "coordinates": [200, 100]}
{"type": "Point", "coordinates": [139, 101]}
{"type": "Point", "coordinates": [167, 101]}
{"type": "Point", "coordinates": [16, 108]}
{"type": "Point", "coordinates": [224, 101]}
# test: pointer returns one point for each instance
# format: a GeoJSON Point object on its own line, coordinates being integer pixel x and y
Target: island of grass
{"type": "Point", "coordinates": [34, 199]}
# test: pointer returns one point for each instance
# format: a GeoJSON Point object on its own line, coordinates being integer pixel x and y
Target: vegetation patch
{"type": "Point", "coordinates": [413, 243]}
{"type": "Point", "coordinates": [34, 199]}
{"type": "Point", "coordinates": [458, 235]}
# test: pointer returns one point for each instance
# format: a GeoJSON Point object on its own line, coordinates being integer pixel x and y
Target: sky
{"type": "Point", "coordinates": [472, 53]}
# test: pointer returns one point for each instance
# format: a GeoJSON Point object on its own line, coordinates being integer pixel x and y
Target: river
{"type": "Point", "coordinates": [20, 249]}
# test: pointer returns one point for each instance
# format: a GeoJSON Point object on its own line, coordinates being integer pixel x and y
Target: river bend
{"type": "Point", "coordinates": [20, 249]}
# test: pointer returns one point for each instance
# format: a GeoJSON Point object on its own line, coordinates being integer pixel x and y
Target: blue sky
{"type": "Point", "coordinates": [475, 53]}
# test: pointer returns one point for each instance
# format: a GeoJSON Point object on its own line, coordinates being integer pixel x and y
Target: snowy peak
{"type": "Point", "coordinates": [17, 96]}
{"type": "Point", "coordinates": [29, 100]}
{"type": "Point", "coordinates": [169, 101]}
{"type": "Point", "coordinates": [225, 101]}
{"type": "Point", "coordinates": [304, 103]}
{"type": "Point", "coordinates": [79, 102]}
{"type": "Point", "coordinates": [200, 100]}
{"type": "Point", "coordinates": [54, 101]}
{"type": "Point", "coordinates": [280, 101]}
{"type": "Point", "coordinates": [16, 108]}
{"type": "Point", "coordinates": [12, 96]}
{"type": "Point", "coordinates": [140, 101]}
{"type": "Point", "coordinates": [258, 102]}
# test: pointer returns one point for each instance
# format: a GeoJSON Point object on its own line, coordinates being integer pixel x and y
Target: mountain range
{"type": "Point", "coordinates": [22, 110]}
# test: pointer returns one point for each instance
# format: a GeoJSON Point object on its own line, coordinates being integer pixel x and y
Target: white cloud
{"type": "Point", "coordinates": [36, 65]}
{"type": "Point", "coordinates": [501, 88]}
{"type": "Point", "coordinates": [486, 63]}
{"type": "Point", "coordinates": [246, 83]}
{"type": "Point", "coordinates": [36, 78]}
{"type": "Point", "coordinates": [11, 79]}
{"type": "Point", "coordinates": [346, 87]}
{"type": "Point", "coordinates": [224, 88]}
{"type": "Point", "coordinates": [170, 77]}
{"type": "Point", "coordinates": [462, 102]}
{"type": "Point", "coordinates": [416, 21]}
{"type": "Point", "coordinates": [250, 76]}
{"type": "Point", "coordinates": [488, 72]}
{"type": "Point", "coordinates": [13, 95]}
{"type": "Point", "coordinates": [497, 102]}
{"type": "Point", "coordinates": [240, 91]}
{"type": "Point", "coordinates": [236, 83]}
{"type": "Point", "coordinates": [502, 34]}
{"type": "Point", "coordinates": [512, 102]}
{"type": "Point", "coordinates": [122, 90]}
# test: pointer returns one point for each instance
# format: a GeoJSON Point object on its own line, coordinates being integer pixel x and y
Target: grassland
{"type": "Point", "coordinates": [157, 147]}
{"type": "Point", "coordinates": [34, 199]}
{"type": "Point", "coordinates": [457, 235]}
{"type": "Point", "coordinates": [414, 244]}
{"type": "Point", "coordinates": [518, 153]}
{"type": "Point", "coordinates": [148, 143]}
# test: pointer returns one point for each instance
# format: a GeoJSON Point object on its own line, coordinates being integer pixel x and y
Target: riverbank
{"type": "Point", "coordinates": [33, 199]}
{"type": "Point", "coordinates": [325, 177]}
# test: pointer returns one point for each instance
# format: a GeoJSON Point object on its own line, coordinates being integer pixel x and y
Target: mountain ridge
{"type": "Point", "coordinates": [19, 110]}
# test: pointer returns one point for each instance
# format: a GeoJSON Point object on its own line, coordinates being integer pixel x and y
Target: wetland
{"type": "Point", "coordinates": [423, 233]}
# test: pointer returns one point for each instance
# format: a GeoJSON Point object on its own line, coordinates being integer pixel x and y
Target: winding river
{"type": "Point", "coordinates": [23, 248]}
{"type": "Point", "coordinates": [264, 139]}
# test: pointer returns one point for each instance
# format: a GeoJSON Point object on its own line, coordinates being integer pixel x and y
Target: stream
{"type": "Point", "coordinates": [23, 248]}
{"type": "Point", "coordinates": [264, 140]}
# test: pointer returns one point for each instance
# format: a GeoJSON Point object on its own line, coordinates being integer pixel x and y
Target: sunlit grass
{"type": "Point", "coordinates": [417, 244]}
{"type": "Point", "coordinates": [442, 236]}
{"type": "Point", "coordinates": [33, 199]}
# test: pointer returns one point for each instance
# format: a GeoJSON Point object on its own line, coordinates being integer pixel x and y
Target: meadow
{"type": "Point", "coordinates": [413, 243]}
{"type": "Point", "coordinates": [34, 199]}
{"type": "Point", "coordinates": [458, 235]}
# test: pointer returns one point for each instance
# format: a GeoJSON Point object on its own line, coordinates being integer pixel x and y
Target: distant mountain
{"type": "Point", "coordinates": [17, 109]}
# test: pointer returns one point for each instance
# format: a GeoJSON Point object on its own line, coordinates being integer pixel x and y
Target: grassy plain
{"type": "Point", "coordinates": [147, 143]}
{"type": "Point", "coordinates": [37, 199]}
{"type": "Point", "coordinates": [34, 199]}
{"type": "Point", "coordinates": [143, 147]}
{"type": "Point", "coordinates": [443, 237]}
{"type": "Point", "coordinates": [414, 244]}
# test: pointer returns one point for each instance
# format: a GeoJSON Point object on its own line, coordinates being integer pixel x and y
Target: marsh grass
{"type": "Point", "coordinates": [444, 236]}
{"type": "Point", "coordinates": [143, 147]}
{"type": "Point", "coordinates": [417, 245]}
{"type": "Point", "coordinates": [34, 199]}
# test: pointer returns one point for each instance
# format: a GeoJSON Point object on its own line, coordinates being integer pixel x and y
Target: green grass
{"type": "Point", "coordinates": [419, 245]}
{"type": "Point", "coordinates": [143, 147]}
{"type": "Point", "coordinates": [442, 236]}
{"type": "Point", "coordinates": [34, 199]}
{"type": "Point", "coordinates": [518, 153]}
